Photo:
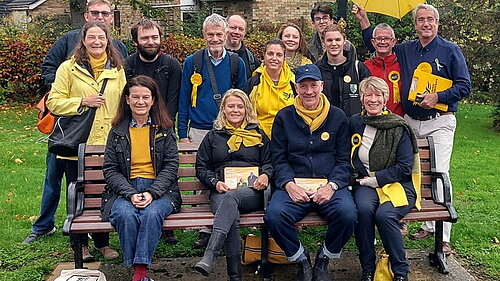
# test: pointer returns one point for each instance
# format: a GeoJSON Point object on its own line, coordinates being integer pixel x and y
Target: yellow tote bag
{"type": "Point", "coordinates": [383, 270]}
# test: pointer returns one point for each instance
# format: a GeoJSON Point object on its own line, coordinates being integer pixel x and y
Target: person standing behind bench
{"type": "Point", "coordinates": [296, 50]}
{"type": "Point", "coordinates": [310, 140]}
{"type": "Point", "coordinates": [97, 10]}
{"type": "Point", "coordinates": [77, 87]}
{"type": "Point", "coordinates": [235, 141]}
{"type": "Point", "coordinates": [387, 169]}
{"type": "Point", "coordinates": [140, 167]}
{"type": "Point", "coordinates": [447, 61]}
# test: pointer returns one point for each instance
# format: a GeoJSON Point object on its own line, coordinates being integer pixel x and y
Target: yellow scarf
{"type": "Point", "coordinates": [98, 64]}
{"type": "Point", "coordinates": [268, 99]}
{"type": "Point", "coordinates": [314, 118]}
{"type": "Point", "coordinates": [241, 135]}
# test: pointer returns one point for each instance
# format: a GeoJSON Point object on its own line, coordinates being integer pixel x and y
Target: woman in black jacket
{"type": "Point", "coordinates": [340, 72]}
{"type": "Point", "coordinates": [140, 167]}
{"type": "Point", "coordinates": [235, 141]}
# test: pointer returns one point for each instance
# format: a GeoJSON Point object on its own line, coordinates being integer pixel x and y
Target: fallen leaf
{"type": "Point", "coordinates": [32, 218]}
{"type": "Point", "coordinates": [496, 241]}
{"type": "Point", "coordinates": [18, 161]}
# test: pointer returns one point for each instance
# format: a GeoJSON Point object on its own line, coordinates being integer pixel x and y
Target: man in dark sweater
{"type": "Point", "coordinates": [149, 60]}
{"type": "Point", "coordinates": [237, 29]}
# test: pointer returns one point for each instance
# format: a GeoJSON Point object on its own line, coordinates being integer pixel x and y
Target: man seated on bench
{"type": "Point", "coordinates": [140, 166]}
{"type": "Point", "coordinates": [236, 142]}
{"type": "Point", "coordinates": [387, 170]}
{"type": "Point", "coordinates": [310, 143]}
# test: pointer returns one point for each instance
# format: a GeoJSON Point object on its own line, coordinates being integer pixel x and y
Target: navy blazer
{"type": "Point", "coordinates": [296, 152]}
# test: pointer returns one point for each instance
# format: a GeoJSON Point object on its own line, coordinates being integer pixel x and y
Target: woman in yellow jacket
{"type": "Point", "coordinates": [271, 87]}
{"type": "Point", "coordinates": [76, 87]}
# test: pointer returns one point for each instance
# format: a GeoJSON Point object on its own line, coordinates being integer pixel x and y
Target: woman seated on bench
{"type": "Point", "coordinates": [235, 141]}
{"type": "Point", "coordinates": [140, 167]}
{"type": "Point", "coordinates": [387, 168]}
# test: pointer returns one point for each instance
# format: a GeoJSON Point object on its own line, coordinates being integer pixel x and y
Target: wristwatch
{"type": "Point", "coordinates": [334, 186]}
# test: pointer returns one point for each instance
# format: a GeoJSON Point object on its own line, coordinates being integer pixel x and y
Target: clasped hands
{"type": "Point", "coordinates": [141, 200]}
{"type": "Point", "coordinates": [260, 183]}
{"type": "Point", "coordinates": [299, 194]}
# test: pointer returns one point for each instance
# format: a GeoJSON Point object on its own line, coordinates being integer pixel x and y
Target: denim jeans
{"type": "Point", "coordinates": [54, 172]}
{"type": "Point", "coordinates": [227, 208]}
{"type": "Point", "coordinates": [282, 214]}
{"type": "Point", "coordinates": [386, 217]}
{"type": "Point", "coordinates": [139, 230]}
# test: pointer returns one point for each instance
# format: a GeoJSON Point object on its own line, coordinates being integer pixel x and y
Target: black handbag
{"type": "Point", "coordinates": [70, 131]}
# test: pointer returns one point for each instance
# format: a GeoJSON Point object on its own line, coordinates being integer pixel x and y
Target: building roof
{"type": "Point", "coordinates": [16, 5]}
{"type": "Point", "coordinates": [3, 7]}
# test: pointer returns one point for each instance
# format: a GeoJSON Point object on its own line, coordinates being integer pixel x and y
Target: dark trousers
{"type": "Point", "coordinates": [386, 217]}
{"type": "Point", "coordinates": [227, 208]}
{"type": "Point", "coordinates": [71, 174]}
{"type": "Point", "coordinates": [282, 214]}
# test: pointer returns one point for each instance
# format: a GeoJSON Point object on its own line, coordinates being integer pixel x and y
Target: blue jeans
{"type": "Point", "coordinates": [51, 194]}
{"type": "Point", "coordinates": [139, 230]}
{"type": "Point", "coordinates": [386, 217]}
{"type": "Point", "coordinates": [282, 214]}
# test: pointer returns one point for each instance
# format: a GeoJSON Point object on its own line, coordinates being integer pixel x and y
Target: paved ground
{"type": "Point", "coordinates": [345, 269]}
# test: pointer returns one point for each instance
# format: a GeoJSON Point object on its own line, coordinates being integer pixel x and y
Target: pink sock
{"type": "Point", "coordinates": [140, 271]}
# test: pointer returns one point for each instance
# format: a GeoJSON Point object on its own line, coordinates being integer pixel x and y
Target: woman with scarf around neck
{"type": "Point", "coordinates": [271, 87]}
{"type": "Point", "coordinates": [387, 171]}
{"type": "Point", "coordinates": [235, 141]}
{"type": "Point", "coordinates": [140, 167]}
{"type": "Point", "coordinates": [310, 140]}
{"type": "Point", "coordinates": [296, 48]}
{"type": "Point", "coordinates": [76, 88]}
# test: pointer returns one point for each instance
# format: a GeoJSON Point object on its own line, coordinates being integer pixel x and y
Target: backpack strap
{"type": "Point", "coordinates": [233, 62]}
{"type": "Point", "coordinates": [251, 60]}
{"type": "Point", "coordinates": [356, 66]}
{"type": "Point", "coordinates": [129, 70]}
{"type": "Point", "coordinates": [198, 61]}
{"type": "Point", "coordinates": [164, 66]}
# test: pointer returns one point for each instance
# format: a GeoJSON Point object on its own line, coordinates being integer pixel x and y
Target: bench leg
{"type": "Point", "coordinates": [438, 258]}
{"type": "Point", "coordinates": [264, 258]}
{"type": "Point", "coordinates": [76, 244]}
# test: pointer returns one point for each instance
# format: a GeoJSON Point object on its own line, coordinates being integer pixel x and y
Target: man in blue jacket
{"type": "Point", "coordinates": [447, 61]}
{"type": "Point", "coordinates": [97, 10]}
{"type": "Point", "coordinates": [310, 140]}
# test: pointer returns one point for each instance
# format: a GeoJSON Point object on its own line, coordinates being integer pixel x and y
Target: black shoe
{"type": "Point", "coordinates": [234, 267]}
{"type": "Point", "coordinates": [367, 276]}
{"type": "Point", "coordinates": [400, 278]}
{"type": "Point", "coordinates": [169, 237]}
{"type": "Point", "coordinates": [321, 267]}
{"type": "Point", "coordinates": [202, 241]}
{"type": "Point", "coordinates": [33, 236]}
{"type": "Point", "coordinates": [305, 272]}
{"type": "Point", "coordinates": [207, 263]}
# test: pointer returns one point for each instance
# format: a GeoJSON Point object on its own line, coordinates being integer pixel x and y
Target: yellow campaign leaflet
{"type": "Point", "coordinates": [236, 177]}
{"type": "Point", "coordinates": [311, 184]}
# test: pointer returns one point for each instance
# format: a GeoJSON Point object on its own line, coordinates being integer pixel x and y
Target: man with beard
{"type": "Point", "coordinates": [237, 29]}
{"type": "Point", "coordinates": [149, 60]}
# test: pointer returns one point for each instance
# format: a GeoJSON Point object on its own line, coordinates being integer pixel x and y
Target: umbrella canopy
{"type": "Point", "coordinates": [393, 8]}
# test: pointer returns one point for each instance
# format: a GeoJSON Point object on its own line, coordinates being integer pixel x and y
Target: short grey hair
{"type": "Point", "coordinates": [427, 7]}
{"type": "Point", "coordinates": [383, 26]}
{"type": "Point", "coordinates": [215, 20]}
{"type": "Point", "coordinates": [376, 84]}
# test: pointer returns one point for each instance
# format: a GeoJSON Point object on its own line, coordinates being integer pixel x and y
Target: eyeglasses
{"type": "Point", "coordinates": [324, 18]}
{"type": "Point", "coordinates": [383, 39]}
{"type": "Point", "coordinates": [105, 14]}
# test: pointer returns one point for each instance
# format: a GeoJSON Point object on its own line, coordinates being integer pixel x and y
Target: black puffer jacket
{"type": "Point", "coordinates": [213, 156]}
{"type": "Point", "coordinates": [117, 167]}
{"type": "Point", "coordinates": [351, 73]}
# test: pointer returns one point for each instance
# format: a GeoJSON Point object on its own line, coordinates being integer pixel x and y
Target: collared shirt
{"type": "Point", "coordinates": [133, 123]}
{"type": "Point", "coordinates": [447, 61]}
{"type": "Point", "coordinates": [219, 60]}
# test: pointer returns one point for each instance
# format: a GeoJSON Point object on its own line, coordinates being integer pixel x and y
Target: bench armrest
{"type": "Point", "coordinates": [74, 204]}
{"type": "Point", "coordinates": [446, 191]}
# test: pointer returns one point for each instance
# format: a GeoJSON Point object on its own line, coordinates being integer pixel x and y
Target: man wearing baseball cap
{"type": "Point", "coordinates": [310, 148]}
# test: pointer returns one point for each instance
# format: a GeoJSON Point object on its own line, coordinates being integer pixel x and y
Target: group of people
{"type": "Point", "coordinates": [306, 111]}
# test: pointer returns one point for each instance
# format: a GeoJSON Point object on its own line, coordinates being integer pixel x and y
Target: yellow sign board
{"type": "Point", "coordinates": [424, 82]}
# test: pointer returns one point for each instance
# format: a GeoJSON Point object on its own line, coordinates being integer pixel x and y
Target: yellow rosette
{"type": "Point", "coordinates": [196, 80]}
{"type": "Point", "coordinates": [394, 77]}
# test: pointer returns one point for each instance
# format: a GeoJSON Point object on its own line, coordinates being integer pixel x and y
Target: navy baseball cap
{"type": "Point", "coordinates": [310, 71]}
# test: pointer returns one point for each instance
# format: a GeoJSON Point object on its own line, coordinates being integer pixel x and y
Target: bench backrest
{"type": "Point", "coordinates": [91, 160]}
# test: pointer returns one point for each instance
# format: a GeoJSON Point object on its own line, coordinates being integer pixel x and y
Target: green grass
{"type": "Point", "coordinates": [474, 173]}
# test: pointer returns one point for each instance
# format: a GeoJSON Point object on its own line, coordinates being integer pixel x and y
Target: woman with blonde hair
{"type": "Point", "coordinates": [296, 48]}
{"type": "Point", "coordinates": [235, 141]}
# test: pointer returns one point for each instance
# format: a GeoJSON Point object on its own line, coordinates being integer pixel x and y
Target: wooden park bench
{"type": "Point", "coordinates": [84, 201]}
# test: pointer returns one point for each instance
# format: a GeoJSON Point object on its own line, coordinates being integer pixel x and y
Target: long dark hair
{"type": "Point", "coordinates": [80, 52]}
{"type": "Point", "coordinates": [158, 112]}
